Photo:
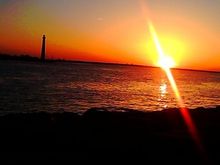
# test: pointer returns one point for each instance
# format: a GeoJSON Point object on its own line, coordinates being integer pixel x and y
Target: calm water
{"type": "Point", "coordinates": [76, 87]}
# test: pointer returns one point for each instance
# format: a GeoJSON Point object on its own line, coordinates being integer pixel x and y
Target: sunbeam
{"type": "Point", "coordinates": [166, 67]}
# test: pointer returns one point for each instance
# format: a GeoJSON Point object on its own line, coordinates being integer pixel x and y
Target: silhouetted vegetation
{"type": "Point", "coordinates": [27, 57]}
{"type": "Point", "coordinates": [18, 57]}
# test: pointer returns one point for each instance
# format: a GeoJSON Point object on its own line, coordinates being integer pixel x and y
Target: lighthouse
{"type": "Point", "coordinates": [43, 49]}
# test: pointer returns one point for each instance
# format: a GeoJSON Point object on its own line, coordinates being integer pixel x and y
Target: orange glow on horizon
{"type": "Point", "coordinates": [112, 32]}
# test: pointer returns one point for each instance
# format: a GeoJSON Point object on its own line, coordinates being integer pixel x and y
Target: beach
{"type": "Point", "coordinates": [151, 137]}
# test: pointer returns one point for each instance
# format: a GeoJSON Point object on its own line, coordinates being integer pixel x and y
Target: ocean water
{"type": "Point", "coordinates": [77, 87]}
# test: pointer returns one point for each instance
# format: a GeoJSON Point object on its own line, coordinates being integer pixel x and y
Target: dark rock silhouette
{"type": "Point", "coordinates": [131, 136]}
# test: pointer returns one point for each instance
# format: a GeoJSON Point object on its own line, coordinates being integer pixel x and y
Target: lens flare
{"type": "Point", "coordinates": [166, 63]}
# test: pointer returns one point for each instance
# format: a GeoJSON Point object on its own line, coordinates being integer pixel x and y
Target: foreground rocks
{"type": "Point", "coordinates": [130, 136]}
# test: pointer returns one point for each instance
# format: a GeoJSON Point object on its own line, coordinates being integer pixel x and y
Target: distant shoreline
{"type": "Point", "coordinates": [26, 57]}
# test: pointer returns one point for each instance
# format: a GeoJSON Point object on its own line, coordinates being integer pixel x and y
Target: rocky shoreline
{"type": "Point", "coordinates": [154, 137]}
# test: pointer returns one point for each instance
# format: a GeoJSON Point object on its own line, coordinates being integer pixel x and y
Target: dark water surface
{"type": "Point", "coordinates": [76, 87]}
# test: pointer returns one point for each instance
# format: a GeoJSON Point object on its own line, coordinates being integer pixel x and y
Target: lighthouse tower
{"type": "Point", "coordinates": [43, 49]}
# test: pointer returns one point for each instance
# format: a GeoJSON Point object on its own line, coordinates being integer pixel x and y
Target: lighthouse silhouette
{"type": "Point", "coordinates": [43, 49]}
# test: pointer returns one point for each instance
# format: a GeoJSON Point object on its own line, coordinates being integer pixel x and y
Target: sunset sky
{"type": "Point", "coordinates": [114, 30]}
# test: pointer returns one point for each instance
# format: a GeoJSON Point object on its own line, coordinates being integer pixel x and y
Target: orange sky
{"type": "Point", "coordinates": [113, 31]}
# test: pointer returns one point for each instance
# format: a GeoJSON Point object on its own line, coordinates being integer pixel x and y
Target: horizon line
{"type": "Point", "coordinates": [102, 62]}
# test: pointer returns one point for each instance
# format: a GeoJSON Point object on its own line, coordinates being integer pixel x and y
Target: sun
{"type": "Point", "coordinates": [166, 62]}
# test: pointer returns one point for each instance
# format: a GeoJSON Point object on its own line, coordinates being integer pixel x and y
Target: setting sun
{"type": "Point", "coordinates": [174, 49]}
{"type": "Point", "coordinates": [166, 62]}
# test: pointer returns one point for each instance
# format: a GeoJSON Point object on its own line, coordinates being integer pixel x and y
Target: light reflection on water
{"type": "Point", "coordinates": [162, 94]}
{"type": "Point", "coordinates": [76, 87]}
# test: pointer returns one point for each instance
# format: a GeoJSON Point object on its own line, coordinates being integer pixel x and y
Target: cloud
{"type": "Point", "coordinates": [99, 19]}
